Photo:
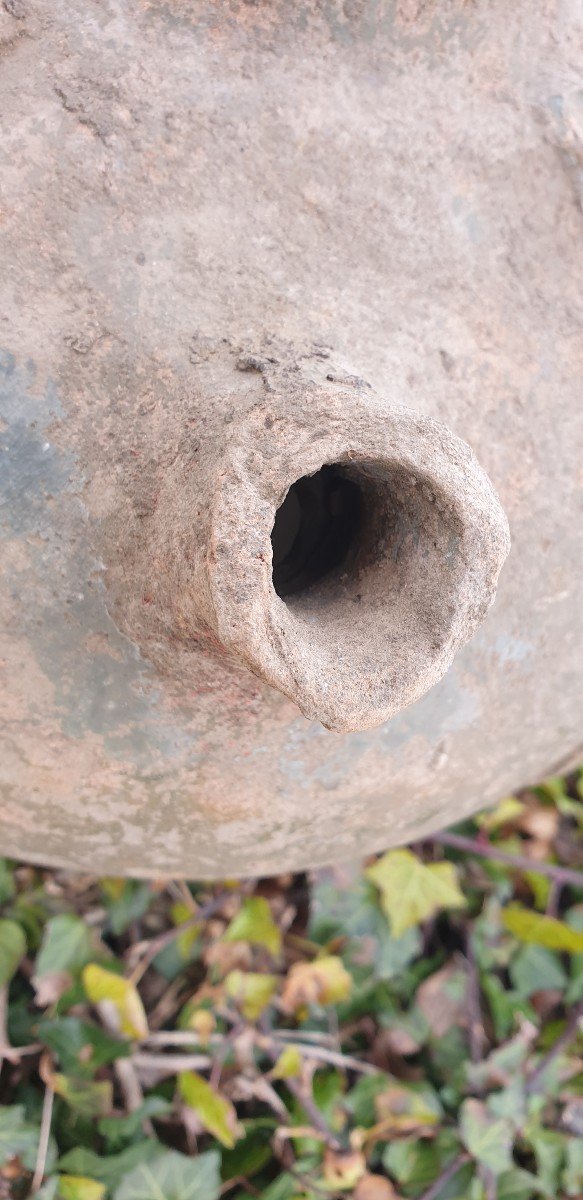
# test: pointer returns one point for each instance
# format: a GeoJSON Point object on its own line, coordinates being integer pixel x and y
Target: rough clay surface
{"type": "Point", "coordinates": [389, 191]}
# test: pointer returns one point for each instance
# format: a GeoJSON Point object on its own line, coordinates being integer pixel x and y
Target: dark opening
{"type": "Point", "coordinates": [314, 529]}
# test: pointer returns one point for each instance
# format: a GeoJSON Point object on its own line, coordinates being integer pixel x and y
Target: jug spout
{"type": "Point", "coordinates": [339, 544]}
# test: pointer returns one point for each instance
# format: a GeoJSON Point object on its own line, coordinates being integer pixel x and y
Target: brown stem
{"type": "Point", "coordinates": [476, 1032]}
{"type": "Point", "coordinates": [436, 1188]}
{"type": "Point", "coordinates": [562, 875]}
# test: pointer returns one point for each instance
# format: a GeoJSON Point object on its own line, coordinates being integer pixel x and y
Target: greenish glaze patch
{"type": "Point", "coordinates": [110, 691]}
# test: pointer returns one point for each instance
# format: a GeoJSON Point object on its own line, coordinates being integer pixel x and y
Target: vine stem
{"type": "Point", "coordinates": [43, 1141]}
{"type": "Point", "coordinates": [561, 875]}
{"type": "Point", "coordinates": [436, 1188]}
{"type": "Point", "coordinates": [561, 1044]}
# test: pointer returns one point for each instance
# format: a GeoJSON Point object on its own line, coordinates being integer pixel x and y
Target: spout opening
{"type": "Point", "coordinates": [364, 559]}
{"type": "Point", "coordinates": [316, 530]}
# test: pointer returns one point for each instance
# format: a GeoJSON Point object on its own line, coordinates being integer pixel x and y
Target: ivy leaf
{"type": "Point", "coordinates": [488, 1139]}
{"type": "Point", "coordinates": [80, 1187]}
{"type": "Point", "coordinates": [254, 923]}
{"type": "Point", "coordinates": [109, 1169]}
{"type": "Point", "coordinates": [66, 945]}
{"type": "Point", "coordinates": [411, 891]}
{"type": "Point", "coordinates": [534, 969]}
{"type": "Point", "coordinates": [288, 1065]}
{"type": "Point", "coordinates": [213, 1110]}
{"type": "Point", "coordinates": [12, 949]}
{"type": "Point", "coordinates": [323, 981]}
{"type": "Point", "coordinates": [19, 1138]}
{"type": "Point", "coordinates": [173, 1176]}
{"type": "Point", "coordinates": [342, 1169]}
{"type": "Point", "coordinates": [549, 1151]}
{"type": "Point", "coordinates": [573, 1173]}
{"type": "Point", "coordinates": [503, 814]}
{"type": "Point", "coordinates": [87, 1097]}
{"type": "Point", "coordinates": [541, 930]}
{"type": "Point", "coordinates": [519, 1185]}
{"type": "Point", "coordinates": [252, 992]}
{"type": "Point", "coordinates": [80, 1047]}
{"type": "Point", "coordinates": [126, 904]}
{"type": "Point", "coordinates": [119, 1130]}
{"type": "Point", "coordinates": [103, 985]}
{"type": "Point", "coordinates": [403, 1108]}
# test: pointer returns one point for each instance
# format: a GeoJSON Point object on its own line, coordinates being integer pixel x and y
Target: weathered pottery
{"type": "Point", "coordinates": [290, 317]}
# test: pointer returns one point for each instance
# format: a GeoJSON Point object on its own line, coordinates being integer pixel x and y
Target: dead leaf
{"type": "Point", "coordinates": [323, 981]}
{"type": "Point", "coordinates": [442, 1001]}
{"type": "Point", "coordinates": [375, 1187]}
{"type": "Point", "coordinates": [50, 987]}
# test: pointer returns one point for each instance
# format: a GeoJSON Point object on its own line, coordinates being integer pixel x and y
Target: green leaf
{"type": "Point", "coordinates": [173, 1176]}
{"type": "Point", "coordinates": [7, 885]}
{"type": "Point", "coordinates": [573, 1172]}
{"type": "Point", "coordinates": [121, 1129]}
{"type": "Point", "coordinates": [102, 985]}
{"type": "Point", "coordinates": [549, 1151]}
{"type": "Point", "coordinates": [80, 1047]}
{"type": "Point", "coordinates": [504, 813]}
{"type": "Point", "coordinates": [251, 991]}
{"type": "Point", "coordinates": [416, 1163]}
{"type": "Point", "coordinates": [213, 1110]}
{"type": "Point", "coordinates": [129, 904]}
{"type": "Point", "coordinates": [113, 1168]}
{"type": "Point", "coordinates": [411, 891]}
{"type": "Point", "coordinates": [254, 923]}
{"type": "Point", "coordinates": [18, 1137]}
{"type": "Point", "coordinates": [535, 969]}
{"type": "Point", "coordinates": [488, 1139]}
{"type": "Point", "coordinates": [252, 1152]}
{"type": "Point", "coordinates": [79, 1187]}
{"type": "Point", "coordinates": [541, 930]}
{"type": "Point", "coordinates": [66, 946]}
{"type": "Point", "coordinates": [88, 1097]}
{"type": "Point", "coordinates": [12, 949]}
{"type": "Point", "coordinates": [361, 1100]}
{"type": "Point", "coordinates": [517, 1184]}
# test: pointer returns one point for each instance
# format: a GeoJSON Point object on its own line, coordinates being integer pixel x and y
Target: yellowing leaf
{"type": "Point", "coordinates": [181, 913]}
{"type": "Point", "coordinates": [400, 1109]}
{"type": "Point", "coordinates": [288, 1065]}
{"type": "Point", "coordinates": [12, 949]}
{"type": "Point", "coordinates": [324, 981]}
{"type": "Point", "coordinates": [506, 811]}
{"type": "Point", "coordinates": [411, 891]}
{"type": "Point", "coordinates": [213, 1110]}
{"type": "Point", "coordinates": [343, 1168]}
{"type": "Point", "coordinates": [543, 931]}
{"type": "Point", "coordinates": [90, 1098]}
{"type": "Point", "coordinates": [254, 923]}
{"type": "Point", "coordinates": [79, 1187]}
{"type": "Point", "coordinates": [113, 887]}
{"type": "Point", "coordinates": [202, 1021]}
{"type": "Point", "coordinates": [103, 985]}
{"type": "Point", "coordinates": [251, 991]}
